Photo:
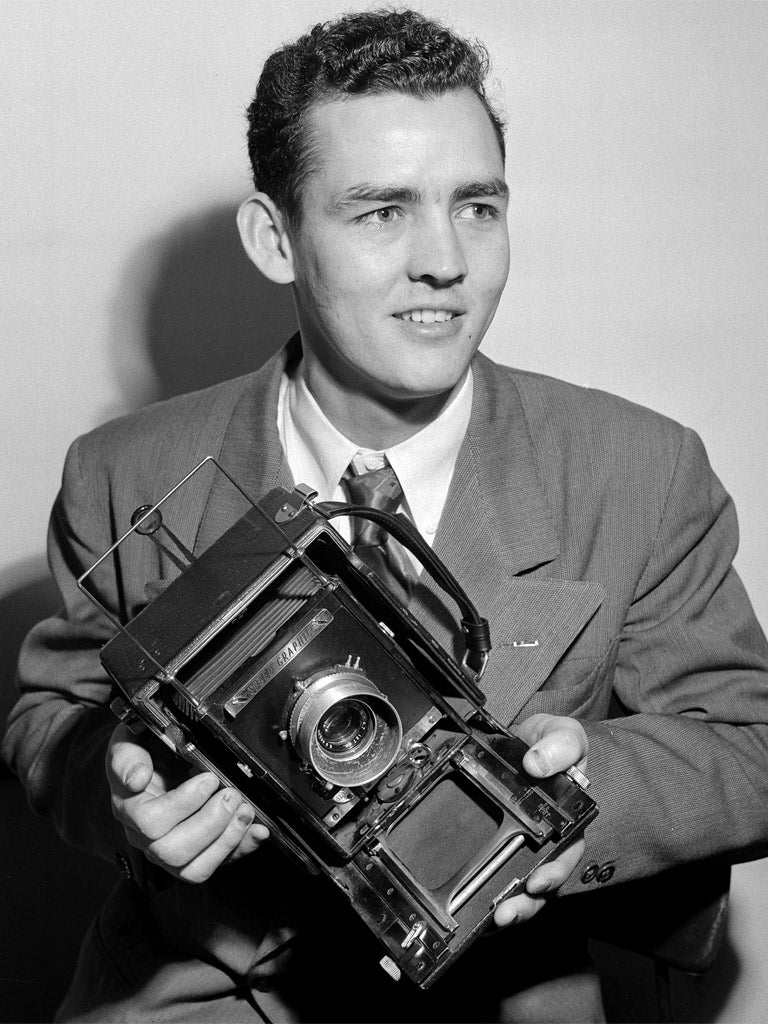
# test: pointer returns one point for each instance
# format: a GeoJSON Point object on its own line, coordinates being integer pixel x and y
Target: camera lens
{"type": "Point", "coordinates": [346, 727]}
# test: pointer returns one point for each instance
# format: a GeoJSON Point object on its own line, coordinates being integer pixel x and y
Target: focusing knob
{"type": "Point", "coordinates": [388, 964]}
{"type": "Point", "coordinates": [145, 521]}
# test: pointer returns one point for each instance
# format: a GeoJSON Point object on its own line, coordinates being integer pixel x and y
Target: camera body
{"type": "Point", "coordinates": [280, 662]}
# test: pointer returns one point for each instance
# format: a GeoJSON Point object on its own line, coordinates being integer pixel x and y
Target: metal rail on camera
{"type": "Point", "coordinates": [147, 520]}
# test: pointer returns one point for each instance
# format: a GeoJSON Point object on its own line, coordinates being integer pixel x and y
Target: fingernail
{"type": "Point", "coordinates": [130, 774]}
{"type": "Point", "coordinates": [541, 760]}
{"type": "Point", "coordinates": [230, 800]}
{"type": "Point", "coordinates": [245, 815]}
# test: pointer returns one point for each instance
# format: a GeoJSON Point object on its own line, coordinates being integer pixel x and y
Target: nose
{"type": "Point", "coordinates": [436, 254]}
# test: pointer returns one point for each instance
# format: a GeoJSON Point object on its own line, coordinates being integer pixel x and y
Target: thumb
{"type": "Point", "coordinates": [129, 765]}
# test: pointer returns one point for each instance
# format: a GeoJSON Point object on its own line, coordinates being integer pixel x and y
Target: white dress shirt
{"type": "Point", "coordinates": [318, 454]}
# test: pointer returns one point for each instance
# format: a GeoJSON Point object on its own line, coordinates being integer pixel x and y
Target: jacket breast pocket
{"type": "Point", "coordinates": [579, 687]}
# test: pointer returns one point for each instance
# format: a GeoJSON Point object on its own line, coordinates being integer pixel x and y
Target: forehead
{"type": "Point", "coordinates": [392, 138]}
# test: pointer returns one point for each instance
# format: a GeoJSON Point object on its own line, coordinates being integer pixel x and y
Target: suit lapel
{"type": "Point", "coordinates": [497, 524]}
{"type": "Point", "coordinates": [250, 452]}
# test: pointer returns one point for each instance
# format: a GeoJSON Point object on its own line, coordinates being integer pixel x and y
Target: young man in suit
{"type": "Point", "coordinates": [591, 532]}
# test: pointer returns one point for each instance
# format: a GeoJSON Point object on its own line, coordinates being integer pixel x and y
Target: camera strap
{"type": "Point", "coordinates": [477, 634]}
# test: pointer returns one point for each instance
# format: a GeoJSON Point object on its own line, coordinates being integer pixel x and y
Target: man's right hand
{"type": "Point", "coordinates": [190, 828]}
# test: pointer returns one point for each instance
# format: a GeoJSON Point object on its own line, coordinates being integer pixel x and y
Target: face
{"type": "Point", "coordinates": [402, 251]}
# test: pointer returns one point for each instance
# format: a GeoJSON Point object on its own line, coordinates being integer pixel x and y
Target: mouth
{"type": "Point", "coordinates": [428, 315]}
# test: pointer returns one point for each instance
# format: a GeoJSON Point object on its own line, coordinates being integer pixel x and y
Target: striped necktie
{"type": "Point", "coordinates": [380, 489]}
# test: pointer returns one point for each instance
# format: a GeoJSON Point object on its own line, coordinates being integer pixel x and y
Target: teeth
{"type": "Point", "coordinates": [427, 316]}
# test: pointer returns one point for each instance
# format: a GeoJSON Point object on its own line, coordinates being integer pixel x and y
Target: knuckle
{"type": "Point", "coordinates": [147, 823]}
{"type": "Point", "coordinates": [539, 720]}
{"type": "Point", "coordinates": [194, 798]}
{"type": "Point", "coordinates": [164, 855]}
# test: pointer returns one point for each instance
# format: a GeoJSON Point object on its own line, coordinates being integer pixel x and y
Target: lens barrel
{"type": "Point", "coordinates": [345, 727]}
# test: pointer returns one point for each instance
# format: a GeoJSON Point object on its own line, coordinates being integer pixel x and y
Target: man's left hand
{"type": "Point", "coordinates": [556, 744]}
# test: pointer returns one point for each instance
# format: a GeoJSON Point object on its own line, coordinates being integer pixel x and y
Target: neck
{"type": "Point", "coordinates": [373, 422]}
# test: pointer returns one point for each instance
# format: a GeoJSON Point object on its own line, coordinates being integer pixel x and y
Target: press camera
{"type": "Point", "coordinates": [279, 661]}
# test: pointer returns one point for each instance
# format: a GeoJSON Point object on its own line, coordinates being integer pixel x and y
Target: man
{"type": "Point", "coordinates": [591, 532]}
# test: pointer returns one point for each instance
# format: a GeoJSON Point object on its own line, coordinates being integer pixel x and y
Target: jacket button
{"type": "Point", "coordinates": [125, 865]}
{"type": "Point", "coordinates": [600, 873]}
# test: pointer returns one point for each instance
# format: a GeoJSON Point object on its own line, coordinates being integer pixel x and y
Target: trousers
{"type": "Point", "coordinates": [130, 970]}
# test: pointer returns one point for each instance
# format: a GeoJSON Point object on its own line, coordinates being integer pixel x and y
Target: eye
{"type": "Point", "coordinates": [478, 211]}
{"type": "Point", "coordinates": [383, 216]}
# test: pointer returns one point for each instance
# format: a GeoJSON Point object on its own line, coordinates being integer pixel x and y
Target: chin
{"type": "Point", "coordinates": [414, 391]}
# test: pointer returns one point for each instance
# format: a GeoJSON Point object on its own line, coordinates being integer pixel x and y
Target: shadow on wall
{"type": "Point", "coordinates": [193, 310]}
{"type": "Point", "coordinates": [28, 594]}
{"type": "Point", "coordinates": [49, 890]}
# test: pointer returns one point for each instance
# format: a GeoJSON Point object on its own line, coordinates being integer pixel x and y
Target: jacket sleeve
{"type": "Point", "coordinates": [683, 773]}
{"type": "Point", "coordinates": [59, 729]}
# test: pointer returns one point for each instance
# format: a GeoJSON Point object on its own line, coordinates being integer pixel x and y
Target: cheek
{"type": "Point", "coordinates": [493, 287]}
{"type": "Point", "coordinates": [345, 286]}
{"type": "Point", "coordinates": [363, 275]}
{"type": "Point", "coordinates": [319, 294]}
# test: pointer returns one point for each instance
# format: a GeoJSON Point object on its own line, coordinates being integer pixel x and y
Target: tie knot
{"type": "Point", "coordinates": [379, 489]}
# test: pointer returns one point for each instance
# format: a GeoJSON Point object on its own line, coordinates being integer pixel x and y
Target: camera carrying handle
{"type": "Point", "coordinates": [477, 634]}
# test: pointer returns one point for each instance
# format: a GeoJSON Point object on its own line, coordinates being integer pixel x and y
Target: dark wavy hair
{"type": "Point", "coordinates": [365, 52]}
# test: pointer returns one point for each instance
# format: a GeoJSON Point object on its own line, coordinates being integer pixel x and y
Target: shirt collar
{"type": "Point", "coordinates": [424, 462]}
{"type": "Point", "coordinates": [319, 454]}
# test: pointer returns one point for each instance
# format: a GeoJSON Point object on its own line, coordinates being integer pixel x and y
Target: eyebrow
{"type": "Point", "coordinates": [368, 193]}
{"type": "Point", "coordinates": [488, 188]}
{"type": "Point", "coordinates": [491, 188]}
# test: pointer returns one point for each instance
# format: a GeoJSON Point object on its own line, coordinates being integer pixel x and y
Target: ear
{"type": "Point", "coordinates": [265, 238]}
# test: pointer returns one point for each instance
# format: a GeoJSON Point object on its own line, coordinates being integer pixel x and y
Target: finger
{"type": "Point", "coordinates": [129, 765]}
{"type": "Point", "coordinates": [517, 909]}
{"type": "Point", "coordinates": [240, 826]}
{"type": "Point", "coordinates": [153, 816]}
{"type": "Point", "coordinates": [184, 842]}
{"type": "Point", "coordinates": [542, 881]}
{"type": "Point", "coordinates": [254, 836]}
{"type": "Point", "coordinates": [552, 876]}
{"type": "Point", "coordinates": [556, 743]}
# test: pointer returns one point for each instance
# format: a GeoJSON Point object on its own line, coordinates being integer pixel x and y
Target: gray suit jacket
{"type": "Point", "coordinates": [590, 531]}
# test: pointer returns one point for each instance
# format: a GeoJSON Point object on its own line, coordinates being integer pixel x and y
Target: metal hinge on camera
{"type": "Point", "coordinates": [287, 511]}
